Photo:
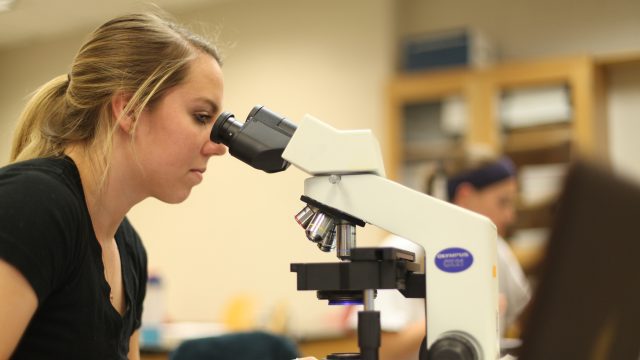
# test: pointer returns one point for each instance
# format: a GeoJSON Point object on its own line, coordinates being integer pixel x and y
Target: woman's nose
{"type": "Point", "coordinates": [210, 149]}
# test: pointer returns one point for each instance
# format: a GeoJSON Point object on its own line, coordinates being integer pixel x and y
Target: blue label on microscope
{"type": "Point", "coordinates": [454, 260]}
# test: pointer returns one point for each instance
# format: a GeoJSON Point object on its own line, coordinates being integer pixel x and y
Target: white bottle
{"type": "Point", "coordinates": [153, 313]}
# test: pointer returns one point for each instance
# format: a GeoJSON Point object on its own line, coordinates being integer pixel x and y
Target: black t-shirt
{"type": "Point", "coordinates": [46, 233]}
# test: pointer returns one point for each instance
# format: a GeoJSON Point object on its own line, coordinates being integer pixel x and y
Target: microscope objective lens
{"type": "Point", "coordinates": [329, 242]}
{"type": "Point", "coordinates": [304, 216]}
{"type": "Point", "coordinates": [346, 239]}
{"type": "Point", "coordinates": [319, 227]}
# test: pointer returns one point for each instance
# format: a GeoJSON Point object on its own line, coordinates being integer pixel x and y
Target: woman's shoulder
{"type": "Point", "coordinates": [42, 188]}
{"type": "Point", "coordinates": [49, 176]}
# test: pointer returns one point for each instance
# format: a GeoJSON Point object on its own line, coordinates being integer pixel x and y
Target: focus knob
{"type": "Point", "coordinates": [453, 347]}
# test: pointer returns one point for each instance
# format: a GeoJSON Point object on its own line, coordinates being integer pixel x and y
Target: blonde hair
{"type": "Point", "coordinates": [141, 55]}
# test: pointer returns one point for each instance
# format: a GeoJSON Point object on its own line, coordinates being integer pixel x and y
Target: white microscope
{"type": "Point", "coordinates": [348, 188]}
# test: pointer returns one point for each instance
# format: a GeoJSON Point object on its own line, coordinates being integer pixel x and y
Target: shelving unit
{"type": "Point", "coordinates": [583, 135]}
{"type": "Point", "coordinates": [481, 89]}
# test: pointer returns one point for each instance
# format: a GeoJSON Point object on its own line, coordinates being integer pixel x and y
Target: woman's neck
{"type": "Point", "coordinates": [109, 197]}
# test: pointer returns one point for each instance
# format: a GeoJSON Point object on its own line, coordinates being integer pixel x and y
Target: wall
{"type": "Point", "coordinates": [22, 70]}
{"type": "Point", "coordinates": [236, 234]}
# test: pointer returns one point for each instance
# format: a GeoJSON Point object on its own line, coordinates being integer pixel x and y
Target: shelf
{"type": "Point", "coordinates": [537, 138]}
{"type": "Point", "coordinates": [560, 153]}
{"type": "Point", "coordinates": [530, 258]}
{"type": "Point", "coordinates": [628, 58]}
{"type": "Point", "coordinates": [535, 215]}
{"type": "Point", "coordinates": [433, 151]}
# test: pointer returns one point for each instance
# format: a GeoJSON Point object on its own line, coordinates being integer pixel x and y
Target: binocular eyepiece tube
{"type": "Point", "coordinates": [259, 142]}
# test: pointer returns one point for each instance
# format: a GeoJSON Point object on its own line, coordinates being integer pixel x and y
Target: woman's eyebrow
{"type": "Point", "coordinates": [211, 103]}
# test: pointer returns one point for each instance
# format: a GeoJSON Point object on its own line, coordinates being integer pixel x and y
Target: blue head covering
{"type": "Point", "coordinates": [483, 176]}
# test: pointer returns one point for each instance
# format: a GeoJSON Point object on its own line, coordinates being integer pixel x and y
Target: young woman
{"type": "Point", "coordinates": [130, 120]}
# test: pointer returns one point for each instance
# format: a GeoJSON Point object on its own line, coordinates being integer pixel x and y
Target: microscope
{"type": "Point", "coordinates": [348, 189]}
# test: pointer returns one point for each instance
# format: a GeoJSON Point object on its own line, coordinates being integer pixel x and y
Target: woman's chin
{"type": "Point", "coordinates": [175, 197]}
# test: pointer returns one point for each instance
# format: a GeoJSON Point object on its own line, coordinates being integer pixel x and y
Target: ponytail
{"type": "Point", "coordinates": [35, 134]}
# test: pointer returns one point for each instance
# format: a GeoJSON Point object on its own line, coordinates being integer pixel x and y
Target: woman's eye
{"type": "Point", "coordinates": [202, 118]}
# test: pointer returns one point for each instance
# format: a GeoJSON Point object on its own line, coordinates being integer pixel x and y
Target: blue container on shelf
{"type": "Point", "coordinates": [444, 49]}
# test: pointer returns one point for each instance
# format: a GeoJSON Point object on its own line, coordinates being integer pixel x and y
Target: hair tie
{"type": "Point", "coordinates": [67, 83]}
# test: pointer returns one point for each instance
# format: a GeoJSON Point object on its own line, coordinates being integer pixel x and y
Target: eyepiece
{"type": "Point", "coordinates": [225, 128]}
{"type": "Point", "coordinates": [259, 141]}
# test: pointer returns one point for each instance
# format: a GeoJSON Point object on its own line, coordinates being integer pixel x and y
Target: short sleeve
{"type": "Point", "coordinates": [38, 224]}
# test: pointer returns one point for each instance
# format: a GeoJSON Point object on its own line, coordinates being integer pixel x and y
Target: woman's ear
{"type": "Point", "coordinates": [464, 193]}
{"type": "Point", "coordinates": [119, 103]}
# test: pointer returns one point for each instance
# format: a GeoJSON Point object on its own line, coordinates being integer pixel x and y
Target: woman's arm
{"type": "Point", "coordinates": [18, 303]}
{"type": "Point", "coordinates": [134, 346]}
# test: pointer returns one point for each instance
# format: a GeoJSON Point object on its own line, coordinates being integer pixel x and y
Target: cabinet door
{"type": "Point", "coordinates": [546, 116]}
{"type": "Point", "coordinates": [433, 118]}
{"type": "Point", "coordinates": [433, 134]}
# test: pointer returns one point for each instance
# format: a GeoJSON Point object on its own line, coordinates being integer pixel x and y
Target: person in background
{"type": "Point", "coordinates": [487, 186]}
{"type": "Point", "coordinates": [130, 120]}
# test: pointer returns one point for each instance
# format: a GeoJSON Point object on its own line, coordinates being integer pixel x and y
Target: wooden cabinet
{"type": "Point", "coordinates": [414, 144]}
{"type": "Point", "coordinates": [481, 90]}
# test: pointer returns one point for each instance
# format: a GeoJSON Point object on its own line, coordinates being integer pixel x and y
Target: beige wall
{"type": "Point", "coordinates": [22, 70]}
